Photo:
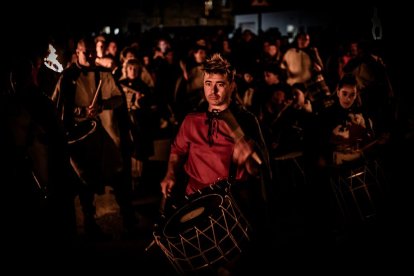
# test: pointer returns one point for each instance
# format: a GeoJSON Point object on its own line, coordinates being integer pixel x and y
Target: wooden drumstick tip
{"type": "Point", "coordinates": [256, 158]}
{"type": "Point", "coordinates": [150, 245]}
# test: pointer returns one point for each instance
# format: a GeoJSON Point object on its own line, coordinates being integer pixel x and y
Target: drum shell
{"type": "Point", "coordinates": [95, 156]}
{"type": "Point", "coordinates": [213, 238]}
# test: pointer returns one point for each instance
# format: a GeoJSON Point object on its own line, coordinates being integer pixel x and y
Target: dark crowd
{"type": "Point", "coordinates": [325, 123]}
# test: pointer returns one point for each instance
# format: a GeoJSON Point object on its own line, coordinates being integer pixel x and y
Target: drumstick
{"type": "Point", "coordinates": [150, 245]}
{"type": "Point", "coordinates": [238, 133]}
{"type": "Point", "coordinates": [95, 97]}
{"type": "Point", "coordinates": [162, 205]}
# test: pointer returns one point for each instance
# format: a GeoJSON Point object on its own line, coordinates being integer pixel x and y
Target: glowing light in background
{"type": "Point", "coordinates": [51, 61]}
{"type": "Point", "coordinates": [107, 29]}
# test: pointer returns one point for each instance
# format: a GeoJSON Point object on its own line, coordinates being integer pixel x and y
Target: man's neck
{"type": "Point", "coordinates": [217, 108]}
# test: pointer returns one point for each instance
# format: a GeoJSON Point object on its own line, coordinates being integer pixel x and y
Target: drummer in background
{"type": "Point", "coordinates": [224, 141]}
{"type": "Point", "coordinates": [345, 137]}
{"type": "Point", "coordinates": [103, 157]}
{"type": "Point", "coordinates": [346, 129]}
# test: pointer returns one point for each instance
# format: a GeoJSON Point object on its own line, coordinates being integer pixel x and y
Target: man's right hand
{"type": "Point", "coordinates": [242, 151]}
{"type": "Point", "coordinates": [92, 111]}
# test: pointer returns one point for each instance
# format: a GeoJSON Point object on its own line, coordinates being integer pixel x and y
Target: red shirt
{"type": "Point", "coordinates": [205, 163]}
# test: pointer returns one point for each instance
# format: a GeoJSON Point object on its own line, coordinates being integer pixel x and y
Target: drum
{"type": "Point", "coordinates": [207, 231]}
{"type": "Point", "coordinates": [289, 170]}
{"type": "Point", "coordinates": [357, 188]}
{"type": "Point", "coordinates": [81, 130]}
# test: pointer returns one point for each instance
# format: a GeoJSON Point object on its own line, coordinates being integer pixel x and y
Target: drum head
{"type": "Point", "coordinates": [194, 213]}
{"type": "Point", "coordinates": [81, 130]}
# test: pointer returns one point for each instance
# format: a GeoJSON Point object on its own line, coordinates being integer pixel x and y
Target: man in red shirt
{"type": "Point", "coordinates": [223, 142]}
{"type": "Point", "coordinates": [209, 143]}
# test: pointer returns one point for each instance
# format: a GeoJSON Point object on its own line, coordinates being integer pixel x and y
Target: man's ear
{"type": "Point", "coordinates": [232, 86]}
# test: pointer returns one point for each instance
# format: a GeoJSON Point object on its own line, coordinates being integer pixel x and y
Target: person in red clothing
{"type": "Point", "coordinates": [222, 142]}
{"type": "Point", "coordinates": [209, 143]}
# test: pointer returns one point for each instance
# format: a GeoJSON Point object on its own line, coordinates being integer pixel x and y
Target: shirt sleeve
{"type": "Point", "coordinates": [181, 142]}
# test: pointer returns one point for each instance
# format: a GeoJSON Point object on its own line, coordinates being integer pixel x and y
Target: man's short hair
{"type": "Point", "coordinates": [216, 64]}
{"type": "Point", "coordinates": [347, 79]}
{"type": "Point", "coordinates": [99, 38]}
{"type": "Point", "coordinates": [133, 61]}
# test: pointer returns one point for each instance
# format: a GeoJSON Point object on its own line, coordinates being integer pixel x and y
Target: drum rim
{"type": "Point", "coordinates": [93, 122]}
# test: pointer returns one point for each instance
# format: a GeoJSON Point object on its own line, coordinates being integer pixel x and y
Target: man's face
{"type": "Point", "coordinates": [200, 56]}
{"type": "Point", "coordinates": [303, 41]}
{"type": "Point", "coordinates": [163, 45]}
{"type": "Point", "coordinates": [85, 57]}
{"type": "Point", "coordinates": [217, 90]}
{"type": "Point", "coordinates": [100, 48]}
{"type": "Point", "coordinates": [347, 95]}
{"type": "Point", "coordinates": [132, 71]}
{"type": "Point", "coordinates": [112, 48]}
{"type": "Point", "coordinates": [271, 78]}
